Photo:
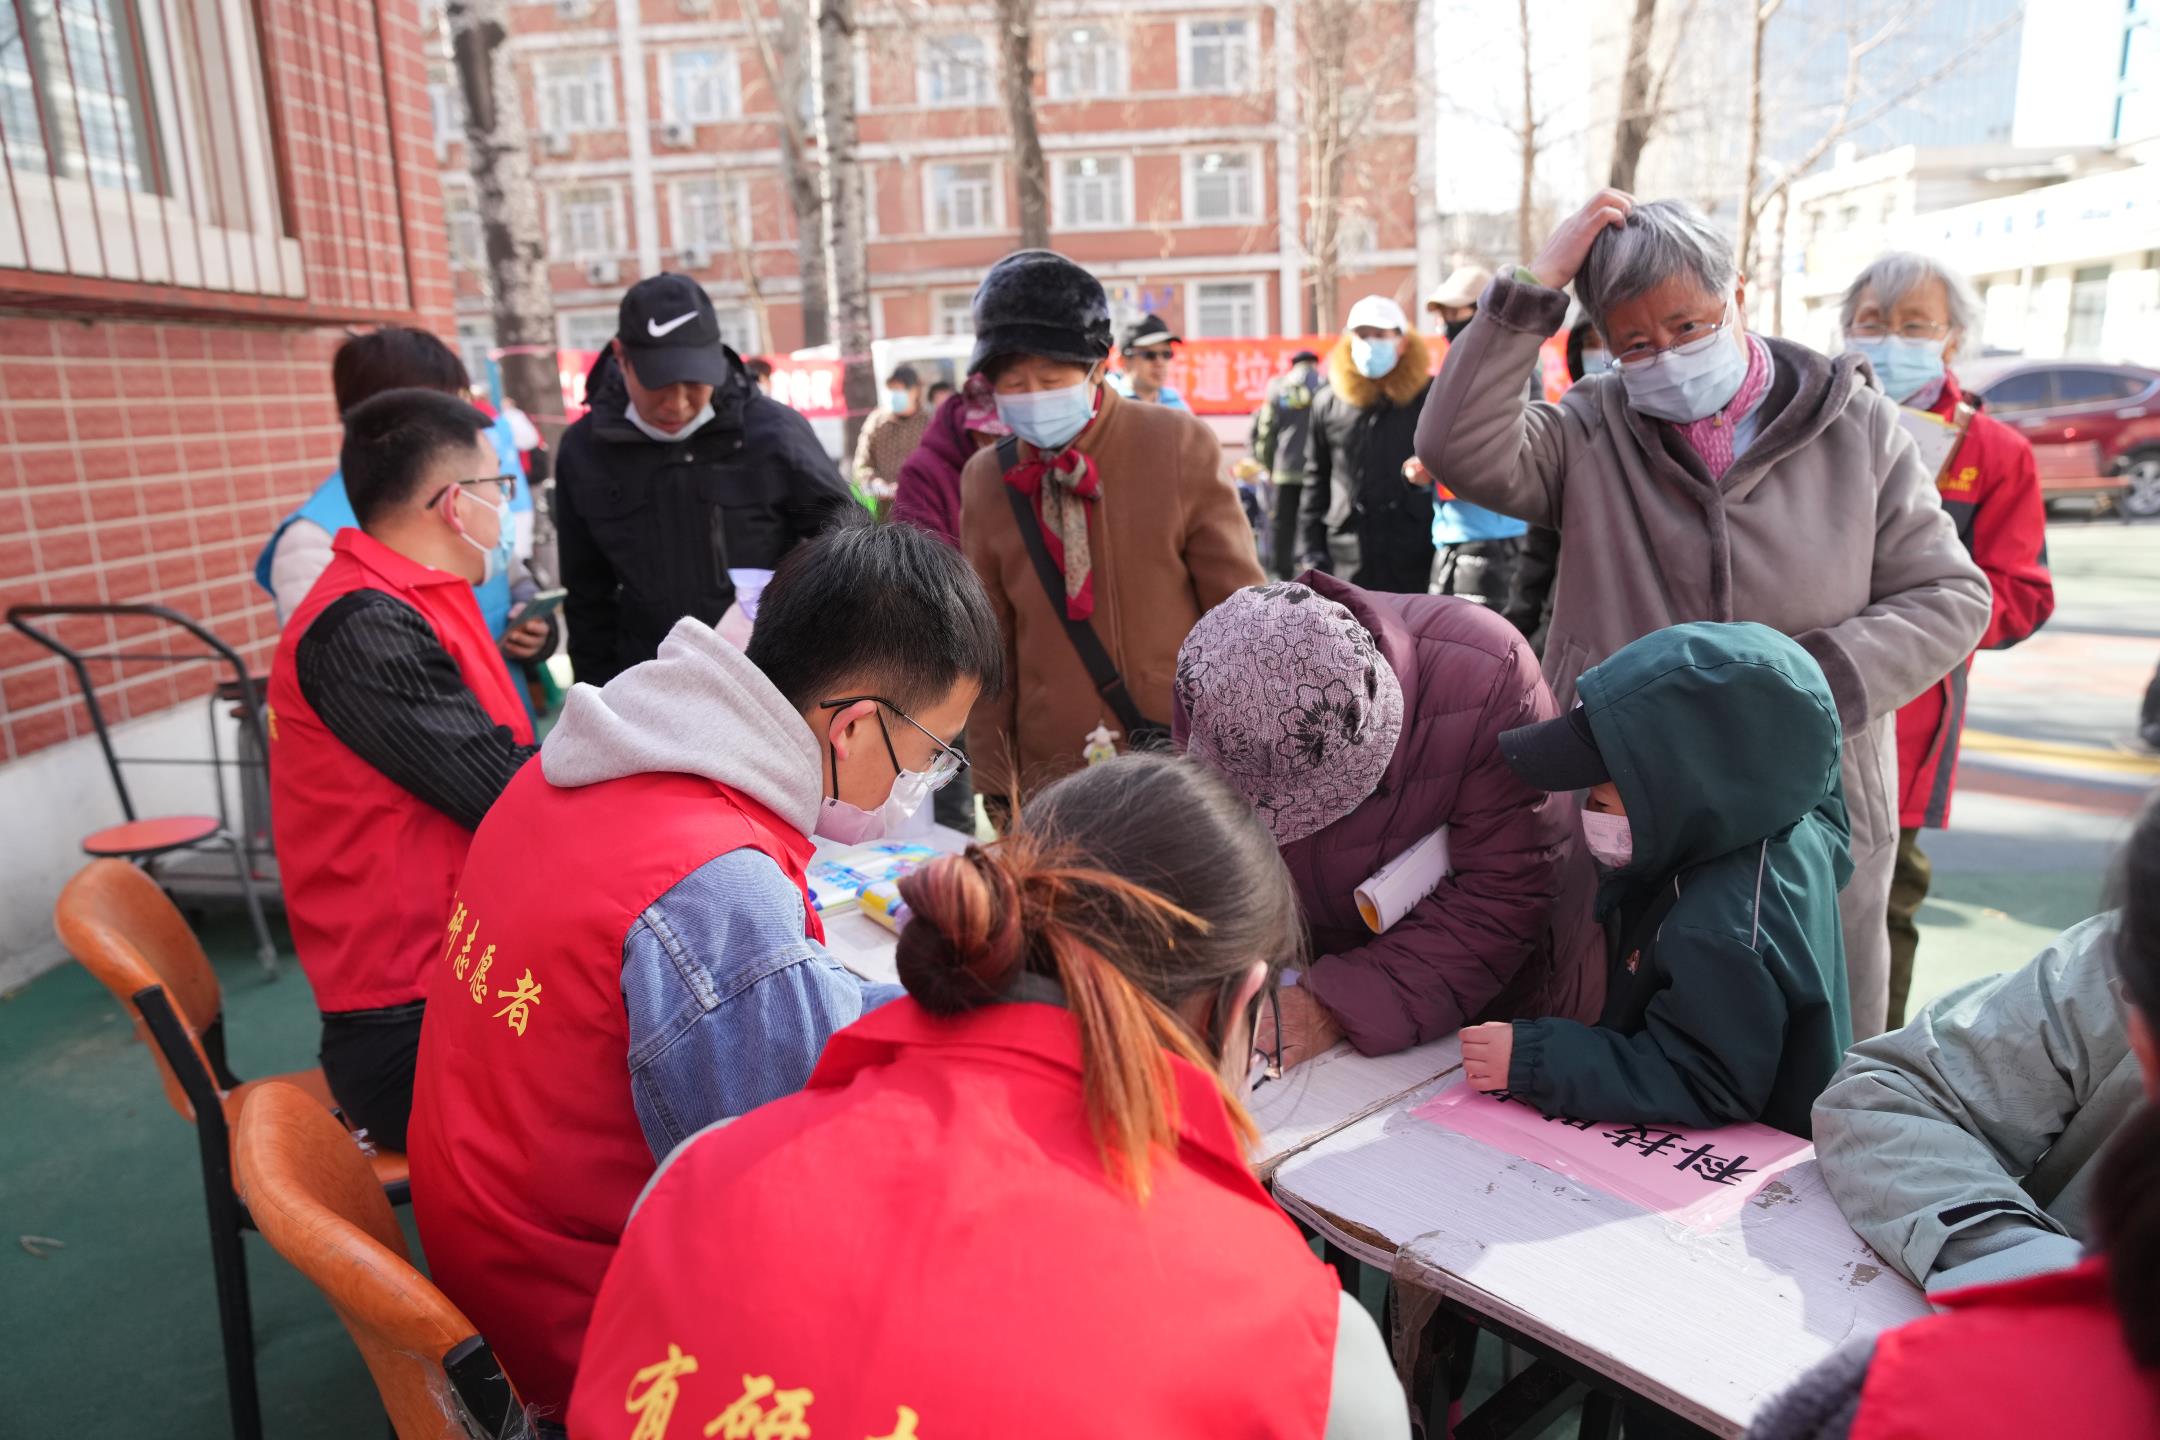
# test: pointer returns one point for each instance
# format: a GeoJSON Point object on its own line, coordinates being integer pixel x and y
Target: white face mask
{"type": "Point", "coordinates": [1610, 838]}
{"type": "Point", "coordinates": [852, 825]}
{"type": "Point", "coordinates": [1684, 388]}
{"type": "Point", "coordinates": [653, 431]}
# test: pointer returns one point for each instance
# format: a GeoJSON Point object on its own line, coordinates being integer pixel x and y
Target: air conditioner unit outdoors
{"type": "Point", "coordinates": [678, 134]}
{"type": "Point", "coordinates": [695, 7]}
{"type": "Point", "coordinates": [572, 9]}
{"type": "Point", "coordinates": [602, 272]}
{"type": "Point", "coordinates": [697, 257]}
{"type": "Point", "coordinates": [556, 142]}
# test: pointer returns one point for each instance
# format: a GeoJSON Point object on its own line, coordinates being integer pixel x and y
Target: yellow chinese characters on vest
{"type": "Point", "coordinates": [473, 972]}
{"type": "Point", "coordinates": [763, 1411]}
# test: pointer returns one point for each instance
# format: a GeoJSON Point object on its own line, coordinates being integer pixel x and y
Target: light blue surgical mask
{"type": "Point", "coordinates": [1374, 358]}
{"type": "Point", "coordinates": [1684, 386]}
{"type": "Point", "coordinates": [1048, 419]}
{"type": "Point", "coordinates": [896, 401]}
{"type": "Point", "coordinates": [1596, 362]}
{"type": "Point", "coordinates": [500, 554]}
{"type": "Point", "coordinates": [1903, 367]}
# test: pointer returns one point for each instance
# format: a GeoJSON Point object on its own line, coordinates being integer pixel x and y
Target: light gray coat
{"type": "Point", "coordinates": [1828, 528]}
{"type": "Point", "coordinates": [1963, 1146]}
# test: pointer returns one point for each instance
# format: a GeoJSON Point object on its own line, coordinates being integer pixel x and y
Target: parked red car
{"type": "Point", "coordinates": [2094, 427]}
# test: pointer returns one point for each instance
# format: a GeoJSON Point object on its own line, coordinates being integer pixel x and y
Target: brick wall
{"type": "Point", "coordinates": [150, 437]}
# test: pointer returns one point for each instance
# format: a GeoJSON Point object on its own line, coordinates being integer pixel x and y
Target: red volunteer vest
{"type": "Point", "coordinates": [526, 1151]}
{"type": "Point", "coordinates": [2036, 1357]}
{"type": "Point", "coordinates": [368, 867]}
{"type": "Point", "coordinates": [925, 1237]}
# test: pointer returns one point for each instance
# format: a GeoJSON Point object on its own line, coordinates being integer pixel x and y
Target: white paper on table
{"type": "Point", "coordinates": [1390, 892]}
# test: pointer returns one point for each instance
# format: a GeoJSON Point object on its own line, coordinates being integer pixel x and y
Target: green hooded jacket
{"type": "Point", "coordinates": [1726, 999]}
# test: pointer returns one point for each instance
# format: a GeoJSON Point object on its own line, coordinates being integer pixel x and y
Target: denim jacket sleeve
{"type": "Point", "coordinates": [729, 1002]}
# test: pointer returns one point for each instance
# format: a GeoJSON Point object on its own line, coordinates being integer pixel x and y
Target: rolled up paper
{"type": "Point", "coordinates": [1390, 892]}
{"type": "Point", "coordinates": [882, 903]}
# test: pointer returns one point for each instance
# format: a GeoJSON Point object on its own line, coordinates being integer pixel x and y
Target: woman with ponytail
{"type": "Point", "coordinates": [1016, 1202]}
{"type": "Point", "coordinates": [2068, 1352]}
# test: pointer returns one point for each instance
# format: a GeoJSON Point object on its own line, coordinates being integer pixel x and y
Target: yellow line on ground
{"type": "Point", "coordinates": [2097, 757]}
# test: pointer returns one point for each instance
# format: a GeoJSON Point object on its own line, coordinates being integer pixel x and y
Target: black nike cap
{"type": "Point", "coordinates": [1556, 754]}
{"type": "Point", "coordinates": [670, 334]}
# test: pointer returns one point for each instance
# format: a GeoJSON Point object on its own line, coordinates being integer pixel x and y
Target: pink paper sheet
{"type": "Point", "coordinates": [1699, 1177]}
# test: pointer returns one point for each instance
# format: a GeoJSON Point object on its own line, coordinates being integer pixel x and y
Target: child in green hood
{"type": "Point", "coordinates": [1716, 813]}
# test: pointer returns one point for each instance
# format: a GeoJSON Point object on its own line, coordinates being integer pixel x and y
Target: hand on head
{"type": "Point", "coordinates": [1563, 253]}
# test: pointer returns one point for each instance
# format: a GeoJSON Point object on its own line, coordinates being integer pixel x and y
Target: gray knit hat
{"type": "Point", "coordinates": [1288, 696]}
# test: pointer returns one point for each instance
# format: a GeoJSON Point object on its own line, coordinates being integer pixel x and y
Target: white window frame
{"type": "Point", "coordinates": [981, 88]}
{"type": "Point", "coordinates": [446, 109]}
{"type": "Point", "coordinates": [1256, 288]}
{"type": "Point", "coordinates": [598, 81]}
{"type": "Point", "coordinates": [1102, 39]}
{"type": "Point", "coordinates": [1189, 174]}
{"type": "Point", "coordinates": [461, 214]}
{"type": "Point", "coordinates": [1116, 169]}
{"type": "Point", "coordinates": [1251, 61]}
{"type": "Point", "coordinates": [725, 86]}
{"type": "Point", "coordinates": [949, 304]}
{"type": "Point", "coordinates": [559, 250]}
{"type": "Point", "coordinates": [475, 338]}
{"type": "Point", "coordinates": [69, 224]}
{"type": "Point", "coordinates": [992, 223]}
{"type": "Point", "coordinates": [739, 328]}
{"type": "Point", "coordinates": [567, 323]}
{"type": "Point", "coordinates": [734, 193]}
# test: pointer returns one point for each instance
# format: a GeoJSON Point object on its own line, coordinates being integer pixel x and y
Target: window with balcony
{"type": "Point", "coordinates": [1094, 192]}
{"type": "Point", "coordinates": [1226, 309]}
{"type": "Point", "coordinates": [700, 86]}
{"type": "Point", "coordinates": [1221, 187]}
{"type": "Point", "coordinates": [1086, 62]}
{"type": "Point", "coordinates": [963, 198]}
{"type": "Point", "coordinates": [954, 70]}
{"type": "Point", "coordinates": [588, 223]}
{"type": "Point", "coordinates": [1217, 56]}
{"type": "Point", "coordinates": [136, 140]}
{"type": "Point", "coordinates": [712, 213]}
{"type": "Point", "coordinates": [576, 92]}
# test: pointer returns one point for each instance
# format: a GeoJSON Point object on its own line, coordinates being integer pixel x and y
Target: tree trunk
{"type": "Point", "coordinates": [1431, 259]}
{"type": "Point", "coordinates": [799, 170]}
{"type": "Point", "coordinates": [1016, 66]}
{"type": "Point", "coordinates": [1751, 165]}
{"type": "Point", "coordinates": [508, 208]}
{"type": "Point", "coordinates": [1631, 132]}
{"type": "Point", "coordinates": [1525, 219]}
{"type": "Point", "coordinates": [847, 261]}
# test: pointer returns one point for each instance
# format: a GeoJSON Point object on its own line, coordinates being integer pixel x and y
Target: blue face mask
{"type": "Point", "coordinates": [1686, 388]}
{"type": "Point", "coordinates": [1373, 358]}
{"type": "Point", "coordinates": [1048, 419]}
{"type": "Point", "coordinates": [896, 401]}
{"type": "Point", "coordinates": [1904, 367]}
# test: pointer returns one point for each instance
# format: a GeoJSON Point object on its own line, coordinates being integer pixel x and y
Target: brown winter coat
{"type": "Point", "coordinates": [1828, 528]}
{"type": "Point", "coordinates": [1169, 542]}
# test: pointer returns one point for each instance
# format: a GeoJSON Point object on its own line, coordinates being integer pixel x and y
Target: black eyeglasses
{"type": "Point", "coordinates": [507, 485]}
{"type": "Point", "coordinates": [947, 763]}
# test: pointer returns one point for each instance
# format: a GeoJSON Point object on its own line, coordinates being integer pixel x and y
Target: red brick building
{"type": "Point", "coordinates": [1171, 133]}
{"type": "Point", "coordinates": [199, 199]}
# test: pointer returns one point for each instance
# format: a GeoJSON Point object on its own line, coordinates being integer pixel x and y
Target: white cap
{"type": "Point", "coordinates": [1377, 311]}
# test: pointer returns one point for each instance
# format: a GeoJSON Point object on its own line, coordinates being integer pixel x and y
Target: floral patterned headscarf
{"type": "Point", "coordinates": [1287, 695]}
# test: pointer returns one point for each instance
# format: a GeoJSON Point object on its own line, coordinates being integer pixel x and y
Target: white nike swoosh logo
{"type": "Point", "coordinates": [655, 329]}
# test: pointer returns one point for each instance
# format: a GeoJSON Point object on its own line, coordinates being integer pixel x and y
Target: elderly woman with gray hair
{"type": "Point", "coordinates": [1714, 474]}
{"type": "Point", "coordinates": [1909, 316]}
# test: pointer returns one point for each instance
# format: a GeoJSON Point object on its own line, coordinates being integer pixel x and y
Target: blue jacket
{"type": "Point", "coordinates": [1458, 522]}
{"type": "Point", "coordinates": [329, 508]}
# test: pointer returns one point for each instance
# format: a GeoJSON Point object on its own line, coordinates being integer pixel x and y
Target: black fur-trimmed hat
{"type": "Point", "coordinates": [1037, 302]}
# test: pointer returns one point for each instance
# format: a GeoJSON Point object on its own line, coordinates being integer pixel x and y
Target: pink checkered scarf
{"type": "Point", "coordinates": [1712, 435]}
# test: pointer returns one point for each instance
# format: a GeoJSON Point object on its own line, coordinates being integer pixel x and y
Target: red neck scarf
{"type": "Point", "coordinates": [1712, 436]}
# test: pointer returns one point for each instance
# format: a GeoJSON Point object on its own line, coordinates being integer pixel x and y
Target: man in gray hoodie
{"type": "Point", "coordinates": [638, 898]}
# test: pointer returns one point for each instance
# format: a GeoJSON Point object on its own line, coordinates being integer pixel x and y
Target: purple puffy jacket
{"type": "Point", "coordinates": [929, 484]}
{"type": "Point", "coordinates": [1510, 934]}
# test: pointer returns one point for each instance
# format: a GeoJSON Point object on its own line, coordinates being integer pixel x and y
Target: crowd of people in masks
{"type": "Point", "coordinates": [1680, 725]}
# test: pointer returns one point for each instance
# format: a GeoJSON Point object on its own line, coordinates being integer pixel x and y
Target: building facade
{"type": "Point", "coordinates": [1171, 135]}
{"type": "Point", "coordinates": [200, 199]}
